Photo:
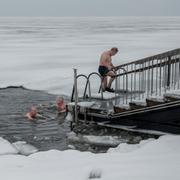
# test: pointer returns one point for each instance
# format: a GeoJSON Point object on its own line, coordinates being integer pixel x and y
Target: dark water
{"type": "Point", "coordinates": [50, 132]}
{"type": "Point", "coordinates": [46, 133]}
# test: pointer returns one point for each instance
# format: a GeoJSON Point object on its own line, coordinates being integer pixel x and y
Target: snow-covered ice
{"type": "Point", "coordinates": [39, 53]}
{"type": "Point", "coordinates": [152, 159]}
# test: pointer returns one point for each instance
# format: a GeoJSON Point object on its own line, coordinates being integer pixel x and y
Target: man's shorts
{"type": "Point", "coordinates": [103, 70]}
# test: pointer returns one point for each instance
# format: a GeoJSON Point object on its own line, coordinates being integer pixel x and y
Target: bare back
{"type": "Point", "coordinates": [105, 60]}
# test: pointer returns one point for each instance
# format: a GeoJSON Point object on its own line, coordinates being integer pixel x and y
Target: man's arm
{"type": "Point", "coordinates": [113, 68]}
{"type": "Point", "coordinates": [112, 65]}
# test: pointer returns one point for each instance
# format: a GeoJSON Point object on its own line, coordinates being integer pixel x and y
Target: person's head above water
{"type": "Point", "coordinates": [32, 114]}
{"type": "Point", "coordinates": [59, 100]}
{"type": "Point", "coordinates": [33, 111]}
{"type": "Point", "coordinates": [113, 51]}
{"type": "Point", "coordinates": [60, 104]}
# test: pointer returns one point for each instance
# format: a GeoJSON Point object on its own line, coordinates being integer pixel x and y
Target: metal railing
{"type": "Point", "coordinates": [151, 76]}
{"type": "Point", "coordinates": [87, 90]}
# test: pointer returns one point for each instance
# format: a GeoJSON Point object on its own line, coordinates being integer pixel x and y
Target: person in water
{"type": "Point", "coordinates": [32, 114]}
{"type": "Point", "coordinates": [60, 104]}
{"type": "Point", "coordinates": [107, 69]}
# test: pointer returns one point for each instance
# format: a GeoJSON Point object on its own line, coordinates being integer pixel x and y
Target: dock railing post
{"type": "Point", "coordinates": [169, 72]}
{"type": "Point", "coordinates": [76, 97]}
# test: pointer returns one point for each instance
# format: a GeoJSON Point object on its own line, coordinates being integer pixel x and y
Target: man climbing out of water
{"type": "Point", "coordinates": [107, 69]}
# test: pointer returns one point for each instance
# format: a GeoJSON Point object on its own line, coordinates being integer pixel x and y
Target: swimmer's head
{"type": "Point", "coordinates": [33, 109]}
{"type": "Point", "coordinates": [59, 100]}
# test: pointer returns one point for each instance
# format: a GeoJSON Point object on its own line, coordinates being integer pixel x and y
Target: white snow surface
{"type": "Point", "coordinates": [156, 98]}
{"type": "Point", "coordinates": [83, 104]}
{"type": "Point", "coordinates": [140, 102]}
{"type": "Point", "coordinates": [152, 159]}
{"type": "Point", "coordinates": [173, 94]}
{"type": "Point", "coordinates": [40, 53]}
{"type": "Point", "coordinates": [123, 106]}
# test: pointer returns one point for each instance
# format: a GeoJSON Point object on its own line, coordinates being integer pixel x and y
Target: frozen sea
{"type": "Point", "coordinates": [40, 53]}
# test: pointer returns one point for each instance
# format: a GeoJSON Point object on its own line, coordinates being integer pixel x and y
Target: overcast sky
{"type": "Point", "coordinates": [89, 7]}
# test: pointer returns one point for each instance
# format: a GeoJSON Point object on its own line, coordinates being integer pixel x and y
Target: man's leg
{"type": "Point", "coordinates": [104, 83]}
{"type": "Point", "coordinates": [112, 77]}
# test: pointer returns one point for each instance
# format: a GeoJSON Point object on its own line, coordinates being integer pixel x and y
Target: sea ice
{"type": "Point", "coordinates": [6, 147]}
{"type": "Point", "coordinates": [24, 148]}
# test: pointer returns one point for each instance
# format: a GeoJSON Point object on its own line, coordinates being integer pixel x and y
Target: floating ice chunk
{"type": "Point", "coordinates": [71, 147]}
{"type": "Point", "coordinates": [73, 137]}
{"type": "Point", "coordinates": [96, 140]}
{"type": "Point", "coordinates": [24, 148]}
{"type": "Point", "coordinates": [103, 140]}
{"type": "Point", "coordinates": [6, 147]}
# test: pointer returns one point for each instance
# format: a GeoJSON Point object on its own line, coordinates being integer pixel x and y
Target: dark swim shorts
{"type": "Point", "coordinates": [103, 70]}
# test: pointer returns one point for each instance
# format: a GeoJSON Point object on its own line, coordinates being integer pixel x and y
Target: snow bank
{"type": "Point", "coordinates": [152, 159]}
{"type": "Point", "coordinates": [125, 148]}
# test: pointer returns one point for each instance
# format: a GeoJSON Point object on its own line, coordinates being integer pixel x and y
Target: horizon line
{"type": "Point", "coordinates": [90, 16]}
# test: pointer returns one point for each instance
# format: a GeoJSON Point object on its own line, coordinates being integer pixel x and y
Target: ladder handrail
{"type": "Point", "coordinates": [78, 76]}
{"type": "Point", "coordinates": [88, 82]}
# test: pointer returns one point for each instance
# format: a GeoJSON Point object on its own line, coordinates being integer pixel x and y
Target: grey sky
{"type": "Point", "coordinates": [89, 7]}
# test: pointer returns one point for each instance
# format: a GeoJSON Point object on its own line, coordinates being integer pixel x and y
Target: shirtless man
{"type": "Point", "coordinates": [106, 68]}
